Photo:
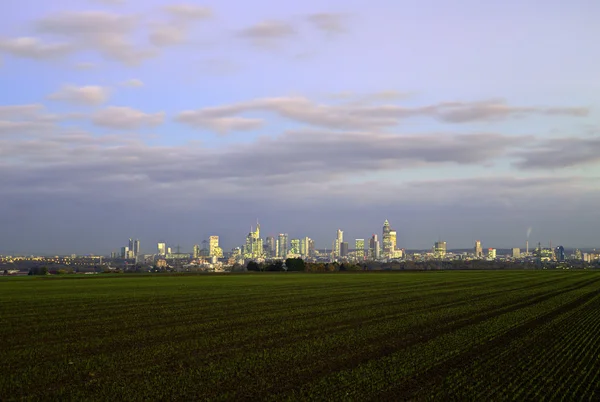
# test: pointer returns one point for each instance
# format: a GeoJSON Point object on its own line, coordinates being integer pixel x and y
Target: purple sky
{"type": "Point", "coordinates": [459, 120]}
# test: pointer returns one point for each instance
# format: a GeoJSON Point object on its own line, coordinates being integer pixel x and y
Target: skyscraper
{"type": "Point", "coordinates": [374, 248]}
{"type": "Point", "coordinates": [492, 253]}
{"type": "Point", "coordinates": [439, 249]}
{"type": "Point", "coordinates": [560, 253]}
{"type": "Point", "coordinates": [386, 239]}
{"type": "Point", "coordinates": [213, 245]}
{"type": "Point", "coordinates": [196, 251]}
{"type": "Point", "coordinates": [344, 249]}
{"type": "Point", "coordinates": [282, 247]}
{"type": "Point", "coordinates": [295, 246]}
{"type": "Point", "coordinates": [162, 249]}
{"type": "Point", "coordinates": [360, 249]}
{"type": "Point", "coordinates": [271, 247]}
{"type": "Point", "coordinates": [254, 244]}
{"type": "Point", "coordinates": [131, 247]}
{"type": "Point", "coordinates": [124, 252]}
{"type": "Point", "coordinates": [516, 252]}
{"type": "Point", "coordinates": [478, 250]}
{"type": "Point", "coordinates": [136, 248]}
{"type": "Point", "coordinates": [337, 243]}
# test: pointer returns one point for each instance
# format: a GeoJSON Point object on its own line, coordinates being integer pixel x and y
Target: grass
{"type": "Point", "coordinates": [431, 335]}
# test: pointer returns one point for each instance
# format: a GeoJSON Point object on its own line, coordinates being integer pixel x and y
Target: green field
{"type": "Point", "coordinates": [363, 336]}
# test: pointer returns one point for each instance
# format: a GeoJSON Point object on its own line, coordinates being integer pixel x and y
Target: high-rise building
{"type": "Point", "coordinates": [360, 249]}
{"type": "Point", "coordinates": [295, 246]}
{"type": "Point", "coordinates": [393, 239]}
{"type": "Point", "coordinates": [478, 250]}
{"type": "Point", "coordinates": [131, 246]}
{"type": "Point", "coordinates": [560, 253]}
{"type": "Point", "coordinates": [386, 240]}
{"type": "Point", "coordinates": [516, 252]}
{"type": "Point", "coordinates": [337, 243]}
{"type": "Point", "coordinates": [492, 253]}
{"type": "Point", "coordinates": [305, 247]}
{"type": "Point", "coordinates": [344, 249]}
{"type": "Point", "coordinates": [196, 251]}
{"type": "Point", "coordinates": [374, 248]}
{"type": "Point", "coordinates": [213, 244]}
{"type": "Point", "coordinates": [136, 248]}
{"type": "Point", "coordinates": [271, 250]}
{"type": "Point", "coordinates": [311, 247]}
{"type": "Point", "coordinates": [124, 252]}
{"type": "Point", "coordinates": [439, 249]}
{"type": "Point", "coordinates": [282, 246]}
{"type": "Point", "coordinates": [169, 250]}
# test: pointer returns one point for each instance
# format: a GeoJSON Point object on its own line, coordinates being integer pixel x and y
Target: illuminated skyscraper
{"type": "Point", "coordinates": [124, 252]}
{"type": "Point", "coordinates": [560, 253]}
{"type": "Point", "coordinates": [213, 245]}
{"type": "Point", "coordinates": [516, 252]}
{"type": "Point", "coordinates": [439, 249]}
{"type": "Point", "coordinates": [374, 248]}
{"type": "Point", "coordinates": [162, 249]}
{"type": "Point", "coordinates": [478, 250]}
{"type": "Point", "coordinates": [282, 247]}
{"type": "Point", "coordinates": [271, 247]}
{"type": "Point", "coordinates": [196, 251]}
{"type": "Point", "coordinates": [295, 246]}
{"type": "Point", "coordinates": [492, 253]}
{"type": "Point", "coordinates": [360, 249]}
{"type": "Point", "coordinates": [388, 240]}
{"type": "Point", "coordinates": [337, 243]}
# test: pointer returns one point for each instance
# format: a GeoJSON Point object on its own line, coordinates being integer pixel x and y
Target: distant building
{"type": "Point", "coordinates": [516, 252]}
{"type": "Point", "coordinates": [560, 253]}
{"type": "Point", "coordinates": [492, 253]}
{"type": "Point", "coordinates": [439, 249]}
{"type": "Point", "coordinates": [124, 252]}
{"type": "Point", "coordinates": [282, 245]}
{"type": "Point", "coordinates": [344, 249]}
{"type": "Point", "coordinates": [478, 250]}
{"type": "Point", "coordinates": [213, 246]}
{"type": "Point", "coordinates": [337, 243]}
{"type": "Point", "coordinates": [360, 249]}
{"type": "Point", "coordinates": [131, 245]}
{"type": "Point", "coordinates": [136, 248]}
{"type": "Point", "coordinates": [374, 248]}
{"type": "Point", "coordinates": [196, 251]}
{"type": "Point", "coordinates": [162, 249]}
{"type": "Point", "coordinates": [295, 246]}
{"type": "Point", "coordinates": [270, 247]}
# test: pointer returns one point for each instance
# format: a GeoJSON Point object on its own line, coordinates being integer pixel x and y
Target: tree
{"type": "Point", "coordinates": [274, 266]}
{"type": "Point", "coordinates": [253, 266]}
{"type": "Point", "coordinates": [295, 264]}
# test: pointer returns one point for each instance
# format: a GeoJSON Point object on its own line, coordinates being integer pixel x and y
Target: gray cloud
{"type": "Point", "coordinates": [126, 118]}
{"type": "Point", "coordinates": [268, 30]}
{"type": "Point", "coordinates": [85, 95]}
{"type": "Point", "coordinates": [328, 22]}
{"type": "Point", "coordinates": [20, 111]}
{"type": "Point", "coordinates": [33, 48]}
{"type": "Point", "coordinates": [106, 32]}
{"type": "Point", "coordinates": [133, 83]}
{"type": "Point", "coordinates": [85, 66]}
{"type": "Point", "coordinates": [189, 11]}
{"type": "Point", "coordinates": [221, 125]}
{"type": "Point", "coordinates": [359, 116]}
{"type": "Point", "coordinates": [560, 153]}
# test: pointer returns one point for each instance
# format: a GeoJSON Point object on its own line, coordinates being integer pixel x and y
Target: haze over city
{"type": "Point", "coordinates": [458, 120]}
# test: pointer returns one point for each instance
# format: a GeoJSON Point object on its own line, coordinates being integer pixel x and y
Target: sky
{"type": "Point", "coordinates": [455, 120]}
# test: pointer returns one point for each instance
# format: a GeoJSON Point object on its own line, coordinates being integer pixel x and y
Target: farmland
{"type": "Point", "coordinates": [430, 335]}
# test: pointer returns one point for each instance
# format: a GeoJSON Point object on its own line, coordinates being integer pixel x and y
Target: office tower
{"type": "Point", "coordinates": [124, 252]}
{"type": "Point", "coordinates": [492, 253]}
{"type": "Point", "coordinates": [478, 249]}
{"type": "Point", "coordinates": [373, 248]}
{"type": "Point", "coordinates": [136, 248]}
{"type": "Point", "coordinates": [277, 248]}
{"type": "Point", "coordinates": [131, 247]}
{"type": "Point", "coordinates": [344, 249]}
{"type": "Point", "coordinates": [360, 249]}
{"type": "Point", "coordinates": [282, 247]}
{"type": "Point", "coordinates": [337, 243]}
{"type": "Point", "coordinates": [311, 247]}
{"type": "Point", "coordinates": [295, 246]}
{"type": "Point", "coordinates": [169, 251]}
{"type": "Point", "coordinates": [560, 253]}
{"type": "Point", "coordinates": [439, 249]}
{"type": "Point", "coordinates": [213, 244]}
{"type": "Point", "coordinates": [386, 239]}
{"type": "Point", "coordinates": [162, 249]}
{"type": "Point", "coordinates": [392, 242]}
{"type": "Point", "coordinates": [377, 249]}
{"type": "Point", "coordinates": [270, 246]}
{"type": "Point", "coordinates": [516, 252]}
{"type": "Point", "coordinates": [254, 244]}
{"type": "Point", "coordinates": [196, 251]}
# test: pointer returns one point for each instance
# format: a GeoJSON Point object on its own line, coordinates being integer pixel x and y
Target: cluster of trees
{"type": "Point", "coordinates": [291, 264]}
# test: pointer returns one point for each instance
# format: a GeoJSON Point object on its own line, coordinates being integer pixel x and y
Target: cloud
{"type": "Point", "coordinates": [268, 31]}
{"type": "Point", "coordinates": [85, 95]}
{"type": "Point", "coordinates": [85, 66]}
{"type": "Point", "coordinates": [133, 83]}
{"type": "Point", "coordinates": [126, 118]}
{"type": "Point", "coordinates": [188, 11]}
{"type": "Point", "coordinates": [221, 125]}
{"type": "Point", "coordinates": [33, 48]}
{"type": "Point", "coordinates": [108, 33]}
{"type": "Point", "coordinates": [20, 111]}
{"type": "Point", "coordinates": [168, 34]}
{"type": "Point", "coordinates": [559, 153]}
{"type": "Point", "coordinates": [110, 2]}
{"type": "Point", "coordinates": [328, 22]}
{"type": "Point", "coordinates": [359, 116]}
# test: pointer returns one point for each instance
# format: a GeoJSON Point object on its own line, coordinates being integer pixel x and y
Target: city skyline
{"type": "Point", "coordinates": [459, 121]}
